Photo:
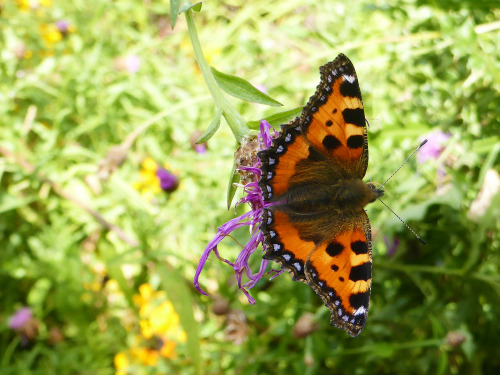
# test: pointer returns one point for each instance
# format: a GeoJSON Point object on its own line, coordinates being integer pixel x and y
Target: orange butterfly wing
{"type": "Point", "coordinates": [281, 167]}
{"type": "Point", "coordinates": [340, 270]}
{"type": "Point", "coordinates": [333, 120]}
{"type": "Point", "coordinates": [306, 230]}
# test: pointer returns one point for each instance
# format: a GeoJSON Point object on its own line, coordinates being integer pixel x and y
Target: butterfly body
{"type": "Point", "coordinates": [315, 225]}
{"type": "Point", "coordinates": [340, 198]}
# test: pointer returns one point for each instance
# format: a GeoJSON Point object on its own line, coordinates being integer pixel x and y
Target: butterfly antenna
{"type": "Point", "coordinates": [406, 225]}
{"type": "Point", "coordinates": [408, 158]}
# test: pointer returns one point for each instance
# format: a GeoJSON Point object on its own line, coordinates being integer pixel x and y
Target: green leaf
{"type": "Point", "coordinates": [277, 119]}
{"type": "Point", "coordinates": [179, 294]}
{"type": "Point", "coordinates": [186, 6]}
{"type": "Point", "coordinates": [38, 293]}
{"type": "Point", "coordinates": [241, 89]}
{"type": "Point", "coordinates": [211, 129]}
{"type": "Point", "coordinates": [114, 266]}
{"type": "Point", "coordinates": [231, 189]}
{"type": "Point", "coordinates": [10, 202]}
{"type": "Point", "coordinates": [488, 164]}
{"type": "Point", "coordinates": [174, 11]}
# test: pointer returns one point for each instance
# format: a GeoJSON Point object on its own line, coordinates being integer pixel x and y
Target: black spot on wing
{"type": "Point", "coordinates": [350, 89]}
{"type": "Point", "coordinates": [360, 299]}
{"type": "Point", "coordinates": [334, 248]}
{"type": "Point", "coordinates": [359, 247]}
{"type": "Point", "coordinates": [361, 272]}
{"type": "Point", "coordinates": [331, 142]}
{"type": "Point", "coordinates": [355, 116]}
{"type": "Point", "coordinates": [355, 141]}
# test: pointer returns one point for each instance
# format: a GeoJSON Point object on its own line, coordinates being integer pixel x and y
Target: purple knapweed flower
{"type": "Point", "coordinates": [20, 318]}
{"type": "Point", "coordinates": [434, 147]}
{"type": "Point", "coordinates": [252, 219]}
{"type": "Point", "coordinates": [23, 322]}
{"type": "Point", "coordinates": [168, 181]}
{"type": "Point", "coordinates": [62, 26]}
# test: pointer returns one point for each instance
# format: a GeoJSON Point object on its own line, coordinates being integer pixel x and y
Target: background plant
{"type": "Point", "coordinates": [90, 90]}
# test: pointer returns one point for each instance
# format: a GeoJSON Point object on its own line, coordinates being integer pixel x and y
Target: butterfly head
{"type": "Point", "coordinates": [375, 192]}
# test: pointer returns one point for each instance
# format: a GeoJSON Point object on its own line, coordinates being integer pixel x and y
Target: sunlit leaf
{"type": "Point", "coordinates": [211, 129]}
{"type": "Point", "coordinates": [277, 119]}
{"type": "Point", "coordinates": [173, 283]}
{"type": "Point", "coordinates": [231, 189]}
{"type": "Point", "coordinates": [241, 89]}
{"type": "Point", "coordinates": [174, 11]}
{"type": "Point", "coordinates": [186, 6]}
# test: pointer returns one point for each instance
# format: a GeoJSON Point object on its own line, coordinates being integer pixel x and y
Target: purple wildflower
{"type": "Point", "coordinates": [434, 146]}
{"type": "Point", "coordinates": [62, 26]}
{"type": "Point", "coordinates": [252, 219]}
{"type": "Point", "coordinates": [168, 181]}
{"type": "Point", "coordinates": [23, 322]}
{"type": "Point", "coordinates": [392, 246]}
{"type": "Point", "coordinates": [201, 148]}
{"type": "Point", "coordinates": [20, 318]}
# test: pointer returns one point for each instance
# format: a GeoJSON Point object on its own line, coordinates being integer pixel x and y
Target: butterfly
{"type": "Point", "coordinates": [314, 224]}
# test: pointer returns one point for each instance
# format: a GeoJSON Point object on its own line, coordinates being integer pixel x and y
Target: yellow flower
{"type": "Point", "coordinates": [160, 331]}
{"type": "Point", "coordinates": [146, 329]}
{"type": "Point", "coordinates": [164, 318]}
{"type": "Point", "coordinates": [160, 320]}
{"type": "Point", "coordinates": [146, 291]}
{"type": "Point", "coordinates": [121, 362]}
{"type": "Point", "coordinates": [145, 356]}
{"type": "Point", "coordinates": [50, 34]}
{"type": "Point", "coordinates": [94, 286]}
{"type": "Point", "coordinates": [168, 349]}
{"type": "Point", "coordinates": [158, 316]}
{"type": "Point", "coordinates": [153, 178]}
{"type": "Point", "coordinates": [148, 184]}
{"type": "Point", "coordinates": [27, 5]}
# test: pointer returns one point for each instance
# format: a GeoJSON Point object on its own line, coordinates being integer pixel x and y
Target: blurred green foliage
{"type": "Point", "coordinates": [77, 243]}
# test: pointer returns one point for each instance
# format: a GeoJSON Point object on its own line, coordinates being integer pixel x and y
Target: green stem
{"type": "Point", "coordinates": [494, 281]}
{"type": "Point", "coordinates": [234, 119]}
{"type": "Point", "coordinates": [377, 348]}
{"type": "Point", "coordinates": [420, 268]}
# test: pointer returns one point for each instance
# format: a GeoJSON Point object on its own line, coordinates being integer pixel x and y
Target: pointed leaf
{"type": "Point", "coordinates": [277, 119]}
{"type": "Point", "coordinates": [174, 11]}
{"type": "Point", "coordinates": [172, 282]}
{"type": "Point", "coordinates": [114, 267]}
{"type": "Point", "coordinates": [231, 189]}
{"type": "Point", "coordinates": [186, 6]}
{"type": "Point", "coordinates": [214, 126]}
{"type": "Point", "coordinates": [11, 202]}
{"type": "Point", "coordinates": [241, 89]}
